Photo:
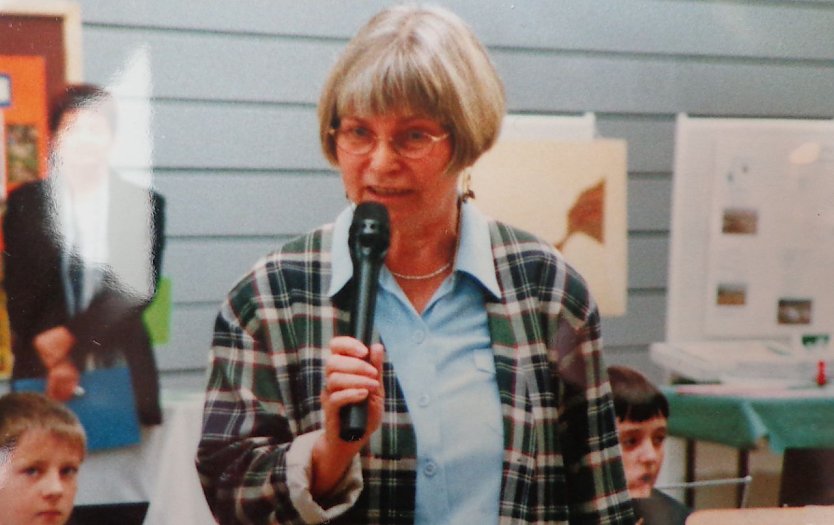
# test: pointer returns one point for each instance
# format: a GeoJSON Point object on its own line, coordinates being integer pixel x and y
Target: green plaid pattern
{"type": "Point", "coordinates": [561, 460]}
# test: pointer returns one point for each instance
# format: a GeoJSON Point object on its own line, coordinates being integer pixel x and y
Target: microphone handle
{"type": "Point", "coordinates": [353, 418]}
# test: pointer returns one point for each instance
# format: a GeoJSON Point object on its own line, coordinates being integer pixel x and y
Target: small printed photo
{"type": "Point", "coordinates": [21, 153]}
{"type": "Point", "coordinates": [795, 311]}
{"type": "Point", "coordinates": [731, 294]}
{"type": "Point", "coordinates": [743, 221]}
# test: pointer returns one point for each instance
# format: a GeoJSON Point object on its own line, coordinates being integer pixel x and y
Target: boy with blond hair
{"type": "Point", "coordinates": [42, 445]}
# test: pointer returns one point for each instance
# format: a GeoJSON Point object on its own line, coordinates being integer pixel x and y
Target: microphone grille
{"type": "Point", "coordinates": [372, 211]}
{"type": "Point", "coordinates": [369, 231]}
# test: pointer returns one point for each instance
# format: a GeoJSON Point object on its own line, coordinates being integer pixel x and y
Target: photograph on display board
{"type": "Point", "coordinates": [731, 294]}
{"type": "Point", "coordinates": [741, 221]}
{"type": "Point", "coordinates": [795, 311]}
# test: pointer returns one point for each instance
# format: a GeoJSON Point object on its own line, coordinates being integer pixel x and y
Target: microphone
{"type": "Point", "coordinates": [368, 242]}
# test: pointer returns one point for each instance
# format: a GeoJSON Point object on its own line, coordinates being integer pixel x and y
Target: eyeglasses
{"type": "Point", "coordinates": [410, 143]}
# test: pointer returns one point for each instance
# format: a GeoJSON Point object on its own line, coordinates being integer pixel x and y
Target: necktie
{"type": "Point", "coordinates": [76, 279]}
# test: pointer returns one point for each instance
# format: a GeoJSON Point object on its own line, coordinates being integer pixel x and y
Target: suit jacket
{"type": "Point", "coordinates": [111, 325]}
{"type": "Point", "coordinates": [561, 454]}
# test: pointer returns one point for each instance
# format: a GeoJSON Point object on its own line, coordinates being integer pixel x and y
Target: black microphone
{"type": "Point", "coordinates": [368, 243]}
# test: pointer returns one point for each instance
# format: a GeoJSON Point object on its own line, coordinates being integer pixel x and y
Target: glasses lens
{"type": "Point", "coordinates": [413, 143]}
{"type": "Point", "coordinates": [358, 141]}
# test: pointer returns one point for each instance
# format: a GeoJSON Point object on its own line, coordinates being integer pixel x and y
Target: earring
{"type": "Point", "coordinates": [466, 185]}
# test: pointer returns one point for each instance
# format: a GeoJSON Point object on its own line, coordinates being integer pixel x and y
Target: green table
{"type": "Point", "coordinates": [802, 418]}
{"type": "Point", "coordinates": [742, 417]}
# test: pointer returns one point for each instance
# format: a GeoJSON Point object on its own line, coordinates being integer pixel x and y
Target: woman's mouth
{"type": "Point", "coordinates": [387, 192]}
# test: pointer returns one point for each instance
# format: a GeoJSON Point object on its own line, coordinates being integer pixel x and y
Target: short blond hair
{"type": "Point", "coordinates": [21, 412]}
{"type": "Point", "coordinates": [421, 60]}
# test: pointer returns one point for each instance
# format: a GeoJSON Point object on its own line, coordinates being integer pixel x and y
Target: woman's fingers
{"type": "Point", "coordinates": [349, 375]}
{"type": "Point", "coordinates": [348, 366]}
{"type": "Point", "coordinates": [342, 381]}
{"type": "Point", "coordinates": [340, 398]}
{"type": "Point", "coordinates": [344, 345]}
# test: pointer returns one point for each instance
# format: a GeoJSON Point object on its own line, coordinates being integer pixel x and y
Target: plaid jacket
{"type": "Point", "coordinates": [561, 460]}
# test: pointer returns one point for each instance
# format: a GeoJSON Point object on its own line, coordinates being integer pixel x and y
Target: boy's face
{"type": "Point", "coordinates": [38, 484]}
{"type": "Point", "coordinates": [84, 141]}
{"type": "Point", "coordinates": [642, 445]}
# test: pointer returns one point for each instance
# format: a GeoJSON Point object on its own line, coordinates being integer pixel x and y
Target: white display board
{"type": "Point", "coordinates": [752, 232]}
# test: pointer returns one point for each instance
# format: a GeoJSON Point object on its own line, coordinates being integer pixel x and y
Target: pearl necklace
{"type": "Point", "coordinates": [440, 270]}
{"type": "Point", "coordinates": [421, 277]}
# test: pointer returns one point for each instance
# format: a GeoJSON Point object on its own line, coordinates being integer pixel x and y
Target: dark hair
{"type": "Point", "coordinates": [82, 96]}
{"type": "Point", "coordinates": [635, 397]}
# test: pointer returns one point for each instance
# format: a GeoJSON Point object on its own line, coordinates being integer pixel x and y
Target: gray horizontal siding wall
{"type": "Point", "coordinates": [234, 87]}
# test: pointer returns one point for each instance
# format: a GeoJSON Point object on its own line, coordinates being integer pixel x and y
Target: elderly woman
{"type": "Point", "coordinates": [488, 403]}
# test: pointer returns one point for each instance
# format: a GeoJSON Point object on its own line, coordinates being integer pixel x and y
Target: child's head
{"type": "Point", "coordinates": [42, 445]}
{"type": "Point", "coordinates": [642, 411]}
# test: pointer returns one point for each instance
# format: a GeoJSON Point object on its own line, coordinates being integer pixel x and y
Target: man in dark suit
{"type": "Point", "coordinates": [83, 251]}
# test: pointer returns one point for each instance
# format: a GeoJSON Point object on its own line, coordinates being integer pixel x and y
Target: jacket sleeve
{"type": "Point", "coordinates": [241, 458]}
{"type": "Point", "coordinates": [252, 419]}
{"type": "Point", "coordinates": [596, 483]}
{"type": "Point", "coordinates": [31, 265]}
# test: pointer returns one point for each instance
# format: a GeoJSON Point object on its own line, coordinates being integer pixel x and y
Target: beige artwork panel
{"type": "Point", "coordinates": [572, 195]}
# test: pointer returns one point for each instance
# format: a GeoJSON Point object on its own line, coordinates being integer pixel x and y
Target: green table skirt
{"type": "Point", "coordinates": [804, 421]}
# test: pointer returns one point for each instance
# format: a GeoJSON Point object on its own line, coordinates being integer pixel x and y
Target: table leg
{"type": "Point", "coordinates": [743, 471]}
{"type": "Point", "coordinates": [689, 493]}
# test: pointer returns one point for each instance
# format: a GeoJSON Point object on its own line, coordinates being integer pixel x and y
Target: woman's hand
{"type": "Point", "coordinates": [349, 378]}
{"type": "Point", "coordinates": [54, 345]}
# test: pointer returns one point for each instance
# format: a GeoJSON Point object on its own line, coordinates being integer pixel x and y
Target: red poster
{"type": "Point", "coordinates": [24, 120]}
{"type": "Point", "coordinates": [23, 152]}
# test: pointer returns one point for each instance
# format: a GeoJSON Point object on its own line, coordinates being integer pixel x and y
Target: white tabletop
{"type": "Point", "coordinates": [160, 470]}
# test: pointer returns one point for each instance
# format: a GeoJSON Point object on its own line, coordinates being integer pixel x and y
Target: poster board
{"type": "Point", "coordinates": [752, 231]}
{"type": "Point", "coordinates": [40, 52]}
{"type": "Point", "coordinates": [569, 189]}
{"type": "Point", "coordinates": [25, 128]}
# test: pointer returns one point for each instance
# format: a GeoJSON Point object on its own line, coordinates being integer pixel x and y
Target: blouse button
{"type": "Point", "coordinates": [430, 469]}
{"type": "Point", "coordinates": [419, 336]}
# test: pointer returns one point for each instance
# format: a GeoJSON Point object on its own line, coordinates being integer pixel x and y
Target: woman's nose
{"type": "Point", "coordinates": [383, 155]}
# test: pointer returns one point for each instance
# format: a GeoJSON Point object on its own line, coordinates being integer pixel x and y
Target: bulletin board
{"type": "Point", "coordinates": [752, 230]}
{"type": "Point", "coordinates": [40, 52]}
{"type": "Point", "coordinates": [551, 176]}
